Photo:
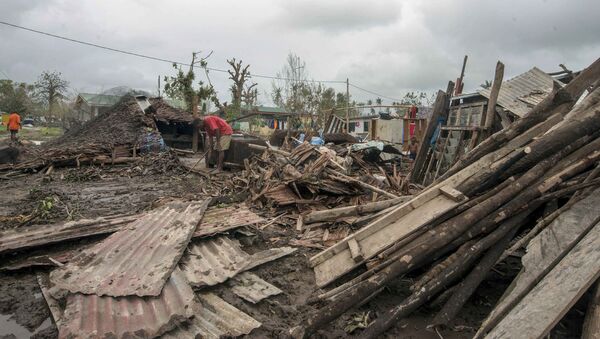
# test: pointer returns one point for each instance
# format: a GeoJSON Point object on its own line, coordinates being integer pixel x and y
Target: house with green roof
{"type": "Point", "coordinates": [90, 105]}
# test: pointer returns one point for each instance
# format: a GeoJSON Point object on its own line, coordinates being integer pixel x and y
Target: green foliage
{"type": "Point", "coordinates": [17, 97]}
{"type": "Point", "coordinates": [181, 86]}
{"type": "Point", "coordinates": [46, 205]}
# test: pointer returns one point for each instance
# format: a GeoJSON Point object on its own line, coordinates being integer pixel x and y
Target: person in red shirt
{"type": "Point", "coordinates": [14, 125]}
{"type": "Point", "coordinates": [219, 129]}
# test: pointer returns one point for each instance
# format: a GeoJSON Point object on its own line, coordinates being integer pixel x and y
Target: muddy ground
{"type": "Point", "coordinates": [91, 191]}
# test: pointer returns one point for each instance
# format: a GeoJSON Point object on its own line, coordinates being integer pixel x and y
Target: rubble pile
{"type": "Point", "coordinates": [114, 137]}
{"type": "Point", "coordinates": [475, 215]}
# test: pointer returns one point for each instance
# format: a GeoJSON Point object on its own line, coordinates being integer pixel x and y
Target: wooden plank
{"type": "Point", "coordinates": [544, 251]}
{"type": "Point", "coordinates": [543, 307]}
{"type": "Point", "coordinates": [452, 193]}
{"type": "Point", "coordinates": [355, 250]}
{"type": "Point", "coordinates": [342, 262]}
{"type": "Point", "coordinates": [591, 325]}
{"type": "Point", "coordinates": [388, 228]}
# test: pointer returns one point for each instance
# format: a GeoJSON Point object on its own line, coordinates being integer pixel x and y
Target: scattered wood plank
{"type": "Point", "coordinates": [541, 309]}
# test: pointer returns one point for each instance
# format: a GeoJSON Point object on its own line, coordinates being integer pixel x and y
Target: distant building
{"type": "Point", "coordinates": [90, 105]}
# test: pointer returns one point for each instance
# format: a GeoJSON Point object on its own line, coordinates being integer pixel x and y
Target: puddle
{"type": "Point", "coordinates": [9, 326]}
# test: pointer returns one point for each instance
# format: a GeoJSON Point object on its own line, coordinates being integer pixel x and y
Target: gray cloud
{"type": "Point", "coordinates": [388, 47]}
{"type": "Point", "coordinates": [336, 16]}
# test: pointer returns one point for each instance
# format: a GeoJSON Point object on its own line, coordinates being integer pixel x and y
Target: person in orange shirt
{"type": "Point", "coordinates": [14, 125]}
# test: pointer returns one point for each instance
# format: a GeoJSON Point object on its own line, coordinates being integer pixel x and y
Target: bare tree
{"type": "Point", "coordinates": [51, 88]}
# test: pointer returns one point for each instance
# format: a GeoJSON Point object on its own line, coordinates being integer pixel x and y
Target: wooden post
{"type": "Point", "coordinates": [440, 110]}
{"type": "Point", "coordinates": [347, 106]}
{"type": "Point", "coordinates": [459, 83]}
{"type": "Point", "coordinates": [491, 108]}
{"type": "Point", "coordinates": [195, 132]}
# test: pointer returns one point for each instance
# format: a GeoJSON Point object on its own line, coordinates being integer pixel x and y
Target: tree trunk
{"type": "Point", "coordinates": [341, 212]}
{"type": "Point", "coordinates": [495, 90]}
{"type": "Point", "coordinates": [445, 278]}
{"type": "Point", "coordinates": [468, 286]}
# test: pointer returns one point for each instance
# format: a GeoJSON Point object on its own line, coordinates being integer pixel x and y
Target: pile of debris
{"type": "Point", "coordinates": [114, 137]}
{"type": "Point", "coordinates": [152, 276]}
{"type": "Point", "coordinates": [458, 228]}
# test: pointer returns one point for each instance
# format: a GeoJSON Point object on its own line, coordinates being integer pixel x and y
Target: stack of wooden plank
{"type": "Point", "coordinates": [461, 225]}
{"type": "Point", "coordinates": [309, 175]}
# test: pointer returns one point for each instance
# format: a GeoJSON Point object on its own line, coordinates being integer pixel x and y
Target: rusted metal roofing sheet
{"type": "Point", "coordinates": [212, 261]}
{"type": "Point", "coordinates": [252, 288]}
{"type": "Point", "coordinates": [136, 260]}
{"type": "Point", "coordinates": [91, 316]}
{"type": "Point", "coordinates": [217, 220]}
{"type": "Point", "coordinates": [215, 319]}
{"type": "Point", "coordinates": [20, 239]}
{"type": "Point", "coordinates": [524, 91]}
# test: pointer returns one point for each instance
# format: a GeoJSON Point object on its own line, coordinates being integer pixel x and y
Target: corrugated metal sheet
{"type": "Point", "coordinates": [252, 288]}
{"type": "Point", "coordinates": [138, 259]}
{"type": "Point", "coordinates": [271, 254]}
{"type": "Point", "coordinates": [524, 91]}
{"type": "Point", "coordinates": [212, 261]}
{"type": "Point", "coordinates": [215, 319]}
{"type": "Point", "coordinates": [20, 239]}
{"type": "Point", "coordinates": [91, 316]}
{"type": "Point", "coordinates": [218, 220]}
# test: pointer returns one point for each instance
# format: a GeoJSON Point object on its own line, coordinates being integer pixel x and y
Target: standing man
{"type": "Point", "coordinates": [413, 148]}
{"type": "Point", "coordinates": [14, 125]}
{"type": "Point", "coordinates": [219, 129]}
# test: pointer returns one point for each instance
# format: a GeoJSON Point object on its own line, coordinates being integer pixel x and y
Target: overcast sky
{"type": "Point", "coordinates": [389, 47]}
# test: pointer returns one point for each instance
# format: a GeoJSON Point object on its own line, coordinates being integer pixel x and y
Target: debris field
{"type": "Point", "coordinates": [493, 231]}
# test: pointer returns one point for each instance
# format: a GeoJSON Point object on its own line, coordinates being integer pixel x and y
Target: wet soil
{"type": "Point", "coordinates": [81, 194]}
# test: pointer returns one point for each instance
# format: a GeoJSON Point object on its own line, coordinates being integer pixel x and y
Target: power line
{"type": "Point", "coordinates": [374, 93]}
{"type": "Point", "coordinates": [150, 57]}
{"type": "Point", "coordinates": [181, 63]}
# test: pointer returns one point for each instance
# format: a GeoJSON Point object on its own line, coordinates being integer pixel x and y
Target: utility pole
{"type": "Point", "coordinates": [195, 115]}
{"type": "Point", "coordinates": [347, 106]}
{"type": "Point", "coordinates": [159, 86]}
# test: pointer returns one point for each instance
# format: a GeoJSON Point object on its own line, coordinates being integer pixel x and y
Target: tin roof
{"type": "Point", "coordinates": [136, 260]}
{"type": "Point", "coordinates": [252, 288]}
{"type": "Point", "coordinates": [91, 316]}
{"type": "Point", "coordinates": [14, 240]}
{"type": "Point", "coordinates": [215, 319]}
{"type": "Point", "coordinates": [212, 261]}
{"type": "Point", "coordinates": [519, 94]}
{"type": "Point", "coordinates": [94, 99]}
{"type": "Point", "coordinates": [162, 110]}
{"type": "Point", "coordinates": [217, 220]}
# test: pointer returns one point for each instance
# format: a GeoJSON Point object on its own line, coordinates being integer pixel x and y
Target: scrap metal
{"type": "Point", "coordinates": [252, 288]}
{"type": "Point", "coordinates": [213, 261]}
{"type": "Point", "coordinates": [35, 236]}
{"type": "Point", "coordinates": [215, 319]}
{"type": "Point", "coordinates": [93, 316]}
{"type": "Point", "coordinates": [138, 259]}
{"type": "Point", "coordinates": [217, 220]}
